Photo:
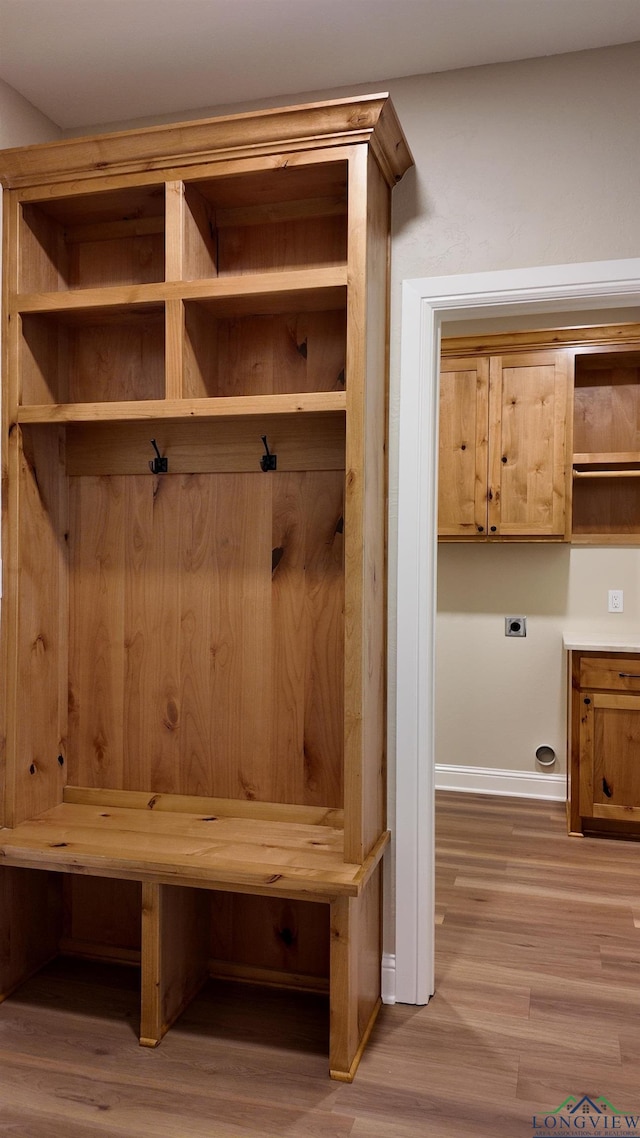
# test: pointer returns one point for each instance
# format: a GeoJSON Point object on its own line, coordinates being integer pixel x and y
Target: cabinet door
{"type": "Point", "coordinates": [527, 429]}
{"type": "Point", "coordinates": [610, 756]}
{"type": "Point", "coordinates": [464, 421]}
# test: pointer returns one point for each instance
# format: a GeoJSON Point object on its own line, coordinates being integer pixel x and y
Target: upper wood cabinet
{"type": "Point", "coordinates": [503, 426]}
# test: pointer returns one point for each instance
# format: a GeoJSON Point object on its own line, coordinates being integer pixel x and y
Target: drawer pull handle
{"type": "Point", "coordinates": [629, 675]}
{"type": "Point", "coordinates": [606, 788]}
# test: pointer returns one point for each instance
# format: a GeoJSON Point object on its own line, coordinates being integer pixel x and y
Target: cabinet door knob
{"type": "Point", "coordinates": [493, 529]}
{"type": "Point", "coordinates": [504, 458]}
{"type": "Point", "coordinates": [480, 529]}
{"type": "Point", "coordinates": [587, 700]}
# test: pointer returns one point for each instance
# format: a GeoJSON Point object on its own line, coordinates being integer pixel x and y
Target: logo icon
{"type": "Point", "coordinates": [581, 1114]}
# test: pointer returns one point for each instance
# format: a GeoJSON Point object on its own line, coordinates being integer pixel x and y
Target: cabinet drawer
{"type": "Point", "coordinates": [612, 673]}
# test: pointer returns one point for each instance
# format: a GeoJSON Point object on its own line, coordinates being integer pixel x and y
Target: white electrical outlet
{"type": "Point", "coordinates": [616, 600]}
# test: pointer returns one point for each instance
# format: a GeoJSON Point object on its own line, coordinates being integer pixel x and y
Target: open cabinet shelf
{"type": "Point", "coordinates": [194, 713]}
{"type": "Point", "coordinates": [606, 460]}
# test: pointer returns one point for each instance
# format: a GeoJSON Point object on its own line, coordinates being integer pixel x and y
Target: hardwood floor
{"type": "Point", "coordinates": [538, 997]}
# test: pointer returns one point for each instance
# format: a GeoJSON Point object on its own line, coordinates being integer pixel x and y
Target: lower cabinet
{"type": "Point", "coordinates": [605, 743]}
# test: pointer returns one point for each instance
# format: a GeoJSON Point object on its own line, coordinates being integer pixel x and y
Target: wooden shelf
{"type": "Point", "coordinates": [316, 402]}
{"type": "Point", "coordinates": [620, 473]}
{"type": "Point", "coordinates": [231, 849]}
{"type": "Point", "coordinates": [607, 458]}
{"type": "Point", "coordinates": [259, 293]}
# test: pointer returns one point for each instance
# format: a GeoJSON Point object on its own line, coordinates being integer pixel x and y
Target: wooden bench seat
{"type": "Point", "coordinates": [251, 847]}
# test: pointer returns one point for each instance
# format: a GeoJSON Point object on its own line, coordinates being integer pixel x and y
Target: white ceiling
{"type": "Point", "coordinates": [85, 62]}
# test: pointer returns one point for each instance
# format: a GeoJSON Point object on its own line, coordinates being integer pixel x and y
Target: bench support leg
{"type": "Point", "coordinates": [354, 976]}
{"type": "Point", "coordinates": [175, 951]}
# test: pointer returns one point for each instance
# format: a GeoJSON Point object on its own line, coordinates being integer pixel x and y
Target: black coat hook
{"type": "Point", "coordinates": [268, 461]}
{"type": "Point", "coordinates": [159, 464]}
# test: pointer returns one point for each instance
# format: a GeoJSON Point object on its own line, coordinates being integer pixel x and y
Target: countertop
{"type": "Point", "coordinates": [601, 640]}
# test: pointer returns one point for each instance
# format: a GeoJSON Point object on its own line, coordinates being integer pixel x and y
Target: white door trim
{"type": "Point", "coordinates": [426, 303]}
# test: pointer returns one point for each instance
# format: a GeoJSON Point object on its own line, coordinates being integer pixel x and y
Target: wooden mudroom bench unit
{"type": "Point", "coordinates": [178, 846]}
{"type": "Point", "coordinates": [195, 345]}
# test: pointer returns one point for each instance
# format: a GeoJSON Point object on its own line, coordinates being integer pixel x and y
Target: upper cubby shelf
{"type": "Point", "coordinates": [279, 220]}
{"type": "Point", "coordinates": [91, 240]}
{"type": "Point", "coordinates": [291, 217]}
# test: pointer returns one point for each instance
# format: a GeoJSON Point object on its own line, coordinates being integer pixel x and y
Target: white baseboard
{"type": "Point", "coordinates": [490, 780]}
{"type": "Point", "coordinates": [388, 978]}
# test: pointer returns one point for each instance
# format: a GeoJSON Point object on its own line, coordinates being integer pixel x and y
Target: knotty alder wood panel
{"type": "Point", "coordinates": [607, 402]}
{"type": "Point", "coordinates": [30, 924]}
{"type": "Point", "coordinates": [90, 240]}
{"type": "Point", "coordinates": [609, 741]}
{"type": "Point", "coordinates": [206, 635]}
{"type": "Point", "coordinates": [222, 446]}
{"type": "Point", "coordinates": [528, 423]}
{"type": "Point", "coordinates": [35, 708]}
{"type": "Point", "coordinates": [93, 356]}
{"type": "Point", "coordinates": [263, 355]}
{"type": "Point", "coordinates": [463, 452]}
{"type": "Point", "coordinates": [293, 216]}
{"type": "Point", "coordinates": [285, 859]}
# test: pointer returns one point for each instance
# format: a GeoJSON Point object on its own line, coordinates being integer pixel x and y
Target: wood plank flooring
{"type": "Point", "coordinates": [538, 997]}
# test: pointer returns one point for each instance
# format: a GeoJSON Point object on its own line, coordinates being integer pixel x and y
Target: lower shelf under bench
{"type": "Point", "coordinates": [179, 855]}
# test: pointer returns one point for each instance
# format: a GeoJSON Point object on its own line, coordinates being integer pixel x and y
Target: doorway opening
{"type": "Point", "coordinates": [430, 303]}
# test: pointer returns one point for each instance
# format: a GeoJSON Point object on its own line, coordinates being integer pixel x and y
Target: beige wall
{"type": "Point", "coordinates": [517, 164]}
{"type": "Point", "coordinates": [20, 122]}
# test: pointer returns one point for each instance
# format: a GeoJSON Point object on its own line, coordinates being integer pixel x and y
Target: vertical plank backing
{"type": "Point", "coordinates": [258, 936]}
{"type": "Point", "coordinates": [174, 955]}
{"type": "Point", "coordinates": [307, 631]}
{"type": "Point", "coordinates": [242, 632]}
{"type": "Point", "coordinates": [262, 355]}
{"type": "Point", "coordinates": [36, 601]}
{"type": "Point", "coordinates": [207, 634]}
{"type": "Point", "coordinates": [96, 630]}
{"type": "Point", "coordinates": [101, 917]}
{"type": "Point", "coordinates": [30, 923]}
{"type": "Point", "coordinates": [152, 632]}
{"type": "Point", "coordinates": [118, 360]}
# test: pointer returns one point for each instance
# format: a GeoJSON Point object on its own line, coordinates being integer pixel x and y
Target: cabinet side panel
{"type": "Point", "coordinates": [365, 607]}
{"type": "Point", "coordinates": [375, 510]}
{"type": "Point", "coordinates": [36, 708]}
